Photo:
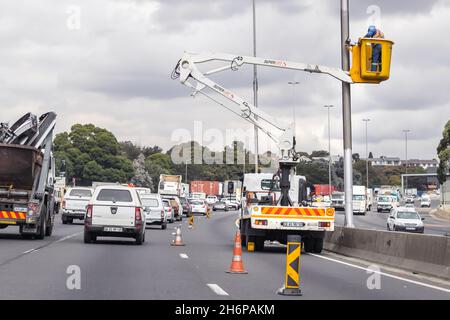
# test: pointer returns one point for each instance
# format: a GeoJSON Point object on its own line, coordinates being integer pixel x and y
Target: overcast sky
{"type": "Point", "coordinates": [108, 62]}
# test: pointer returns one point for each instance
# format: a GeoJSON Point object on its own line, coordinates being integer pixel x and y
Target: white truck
{"type": "Point", "coordinates": [170, 185]}
{"type": "Point", "coordinates": [359, 200]}
{"type": "Point", "coordinates": [369, 197]}
{"type": "Point", "coordinates": [262, 219]}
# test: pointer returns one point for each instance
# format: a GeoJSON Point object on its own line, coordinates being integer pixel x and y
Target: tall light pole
{"type": "Point", "coordinates": [255, 88]}
{"type": "Point", "coordinates": [347, 115]}
{"type": "Point", "coordinates": [406, 131]}
{"type": "Point", "coordinates": [293, 84]}
{"type": "Point", "coordinates": [329, 149]}
{"type": "Point", "coordinates": [367, 156]}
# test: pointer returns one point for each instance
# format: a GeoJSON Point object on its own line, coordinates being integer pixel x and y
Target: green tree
{"type": "Point", "coordinates": [443, 151]}
{"type": "Point", "coordinates": [91, 154]}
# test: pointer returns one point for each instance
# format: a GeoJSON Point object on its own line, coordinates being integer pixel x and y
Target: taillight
{"type": "Point", "coordinates": [261, 222]}
{"type": "Point", "coordinates": [64, 204]}
{"type": "Point", "coordinates": [162, 214]}
{"type": "Point", "coordinates": [89, 211]}
{"type": "Point", "coordinates": [137, 214]}
{"type": "Point", "coordinates": [323, 224]}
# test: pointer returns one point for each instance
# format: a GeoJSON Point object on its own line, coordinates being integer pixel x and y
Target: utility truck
{"type": "Point", "coordinates": [27, 175]}
{"type": "Point", "coordinates": [272, 214]}
{"type": "Point", "coordinates": [170, 185]}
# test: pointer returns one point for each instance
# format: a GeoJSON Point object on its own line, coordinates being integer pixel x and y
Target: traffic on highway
{"type": "Point", "coordinates": [116, 184]}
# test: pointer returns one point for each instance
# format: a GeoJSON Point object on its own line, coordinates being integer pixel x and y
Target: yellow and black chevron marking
{"type": "Point", "coordinates": [293, 265]}
{"type": "Point", "coordinates": [191, 220]}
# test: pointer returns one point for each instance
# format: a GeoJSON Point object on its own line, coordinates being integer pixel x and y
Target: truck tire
{"type": "Point", "coordinates": [139, 239]}
{"type": "Point", "coordinates": [259, 243]}
{"type": "Point", "coordinates": [43, 225]}
{"type": "Point", "coordinates": [64, 219]}
{"type": "Point", "coordinates": [308, 245]}
{"type": "Point", "coordinates": [318, 245]}
{"type": "Point", "coordinates": [49, 228]}
{"type": "Point", "coordinates": [87, 237]}
{"type": "Point", "coordinates": [164, 226]}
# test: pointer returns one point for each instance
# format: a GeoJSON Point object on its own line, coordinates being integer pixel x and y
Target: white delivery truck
{"type": "Point", "coordinates": [170, 185]}
{"type": "Point", "coordinates": [359, 200]}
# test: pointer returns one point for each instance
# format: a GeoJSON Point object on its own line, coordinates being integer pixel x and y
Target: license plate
{"type": "Point", "coordinates": [112, 229]}
{"type": "Point", "coordinates": [293, 224]}
{"type": "Point", "coordinates": [410, 228]}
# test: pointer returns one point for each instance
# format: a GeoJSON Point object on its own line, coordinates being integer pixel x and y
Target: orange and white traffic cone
{"type": "Point", "coordinates": [178, 241]}
{"type": "Point", "coordinates": [237, 265]}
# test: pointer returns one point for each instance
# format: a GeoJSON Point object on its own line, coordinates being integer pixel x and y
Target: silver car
{"type": "Point", "coordinates": [153, 208]}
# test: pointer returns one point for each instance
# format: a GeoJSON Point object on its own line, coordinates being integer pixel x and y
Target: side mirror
{"type": "Point", "coordinates": [423, 219]}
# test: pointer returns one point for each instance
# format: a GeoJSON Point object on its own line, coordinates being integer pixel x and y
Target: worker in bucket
{"type": "Point", "coordinates": [373, 32]}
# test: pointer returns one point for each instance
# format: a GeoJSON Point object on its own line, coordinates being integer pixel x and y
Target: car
{"type": "Point", "coordinates": [186, 206]}
{"type": "Point", "coordinates": [405, 219]}
{"type": "Point", "coordinates": [176, 205]}
{"type": "Point", "coordinates": [199, 206]}
{"type": "Point", "coordinates": [338, 200]}
{"type": "Point", "coordinates": [425, 201]}
{"type": "Point", "coordinates": [232, 204]}
{"type": "Point", "coordinates": [114, 211]}
{"type": "Point", "coordinates": [153, 209]}
{"type": "Point", "coordinates": [211, 200]}
{"type": "Point", "coordinates": [409, 199]}
{"type": "Point", "coordinates": [385, 203]}
{"type": "Point", "coordinates": [220, 205]}
{"type": "Point", "coordinates": [74, 204]}
{"type": "Point", "coordinates": [168, 210]}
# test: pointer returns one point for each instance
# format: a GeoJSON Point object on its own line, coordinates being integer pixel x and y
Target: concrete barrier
{"type": "Point", "coordinates": [419, 253]}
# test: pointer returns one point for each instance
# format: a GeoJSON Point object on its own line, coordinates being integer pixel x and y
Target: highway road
{"type": "Point", "coordinates": [377, 220]}
{"type": "Point", "coordinates": [119, 269]}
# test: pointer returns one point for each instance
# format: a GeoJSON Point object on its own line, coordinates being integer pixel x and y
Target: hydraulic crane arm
{"type": "Point", "coordinates": [187, 70]}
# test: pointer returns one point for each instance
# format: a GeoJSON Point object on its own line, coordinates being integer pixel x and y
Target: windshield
{"type": "Point", "coordinates": [269, 184]}
{"type": "Point", "coordinates": [197, 203]}
{"type": "Point", "coordinates": [337, 196]}
{"type": "Point", "coordinates": [150, 202]}
{"type": "Point", "coordinates": [408, 215]}
{"type": "Point", "coordinates": [114, 195]}
{"type": "Point", "coordinates": [384, 199]}
{"type": "Point", "coordinates": [80, 193]}
{"type": "Point", "coordinates": [358, 197]}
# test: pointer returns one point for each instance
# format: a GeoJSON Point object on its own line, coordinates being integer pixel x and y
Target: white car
{"type": "Point", "coordinates": [154, 210]}
{"type": "Point", "coordinates": [198, 206]}
{"type": "Point", "coordinates": [74, 203]}
{"type": "Point", "coordinates": [168, 210]}
{"type": "Point", "coordinates": [211, 200]}
{"type": "Point", "coordinates": [405, 219]}
{"type": "Point", "coordinates": [232, 204]}
{"type": "Point", "coordinates": [114, 211]}
{"type": "Point", "coordinates": [425, 201]}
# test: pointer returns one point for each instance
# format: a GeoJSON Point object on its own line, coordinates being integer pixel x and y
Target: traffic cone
{"type": "Point", "coordinates": [178, 241]}
{"type": "Point", "coordinates": [237, 265]}
{"type": "Point", "coordinates": [191, 221]}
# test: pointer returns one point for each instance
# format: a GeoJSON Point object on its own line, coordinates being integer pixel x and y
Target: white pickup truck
{"type": "Point", "coordinates": [75, 203]}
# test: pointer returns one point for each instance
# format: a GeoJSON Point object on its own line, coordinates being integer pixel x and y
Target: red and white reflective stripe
{"type": "Point", "coordinates": [300, 211]}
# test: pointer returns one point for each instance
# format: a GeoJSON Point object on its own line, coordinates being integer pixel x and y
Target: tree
{"type": "Point", "coordinates": [370, 155]}
{"type": "Point", "coordinates": [141, 176]}
{"type": "Point", "coordinates": [319, 154]}
{"type": "Point", "coordinates": [443, 151]}
{"type": "Point", "coordinates": [91, 154]}
{"type": "Point", "coordinates": [355, 157]}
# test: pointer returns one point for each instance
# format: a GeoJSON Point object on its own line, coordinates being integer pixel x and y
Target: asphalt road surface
{"type": "Point", "coordinates": [119, 269]}
{"type": "Point", "coordinates": [378, 220]}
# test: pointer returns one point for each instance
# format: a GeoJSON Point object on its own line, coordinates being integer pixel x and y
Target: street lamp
{"type": "Point", "coordinates": [367, 156]}
{"type": "Point", "coordinates": [406, 131]}
{"type": "Point", "coordinates": [255, 88]}
{"type": "Point", "coordinates": [329, 149]}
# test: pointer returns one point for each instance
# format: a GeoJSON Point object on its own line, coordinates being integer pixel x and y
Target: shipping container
{"type": "Point", "coordinates": [324, 189]}
{"type": "Point", "coordinates": [208, 187]}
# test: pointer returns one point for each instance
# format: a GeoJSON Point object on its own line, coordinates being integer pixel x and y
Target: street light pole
{"type": "Point", "coordinates": [347, 116]}
{"type": "Point", "coordinates": [329, 149]}
{"type": "Point", "coordinates": [406, 131]}
{"type": "Point", "coordinates": [255, 88]}
{"type": "Point", "coordinates": [367, 156]}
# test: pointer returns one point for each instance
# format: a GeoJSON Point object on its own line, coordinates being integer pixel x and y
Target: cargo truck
{"type": "Point", "coordinates": [27, 175]}
{"type": "Point", "coordinates": [359, 200]}
{"type": "Point", "coordinates": [170, 185]}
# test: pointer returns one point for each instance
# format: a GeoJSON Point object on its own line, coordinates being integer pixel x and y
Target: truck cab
{"type": "Point", "coordinates": [359, 200]}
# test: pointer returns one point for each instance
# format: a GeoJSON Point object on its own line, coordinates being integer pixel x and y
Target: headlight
{"type": "Point", "coordinates": [401, 224]}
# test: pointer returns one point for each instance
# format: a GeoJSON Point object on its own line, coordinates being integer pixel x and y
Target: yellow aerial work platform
{"type": "Point", "coordinates": [371, 60]}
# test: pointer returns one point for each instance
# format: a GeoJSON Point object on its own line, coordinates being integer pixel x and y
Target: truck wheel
{"type": "Point", "coordinates": [259, 244]}
{"type": "Point", "coordinates": [318, 245]}
{"type": "Point", "coordinates": [139, 239]}
{"type": "Point", "coordinates": [69, 220]}
{"type": "Point", "coordinates": [308, 245]}
{"type": "Point", "coordinates": [43, 225]}
{"type": "Point", "coordinates": [64, 219]}
{"type": "Point", "coordinates": [49, 228]}
{"type": "Point", "coordinates": [243, 240]}
{"type": "Point", "coordinates": [87, 237]}
{"type": "Point", "coordinates": [164, 226]}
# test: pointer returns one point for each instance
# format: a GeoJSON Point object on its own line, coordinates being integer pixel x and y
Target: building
{"type": "Point", "coordinates": [423, 163]}
{"type": "Point", "coordinates": [395, 161]}
{"type": "Point", "coordinates": [385, 161]}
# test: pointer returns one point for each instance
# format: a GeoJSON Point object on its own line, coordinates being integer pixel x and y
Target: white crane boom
{"type": "Point", "coordinates": [187, 69]}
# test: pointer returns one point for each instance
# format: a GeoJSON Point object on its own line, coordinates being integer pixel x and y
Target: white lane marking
{"type": "Point", "coordinates": [383, 273]}
{"type": "Point", "coordinates": [29, 251]}
{"type": "Point", "coordinates": [68, 237]}
{"type": "Point", "coordinates": [183, 256]}
{"type": "Point", "coordinates": [217, 290]}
